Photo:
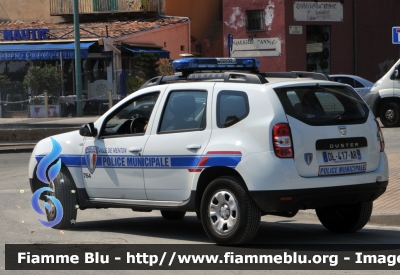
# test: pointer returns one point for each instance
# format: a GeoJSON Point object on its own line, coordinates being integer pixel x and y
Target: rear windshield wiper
{"type": "Point", "coordinates": [348, 118]}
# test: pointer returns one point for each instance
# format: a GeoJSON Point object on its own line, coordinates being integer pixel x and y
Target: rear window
{"type": "Point", "coordinates": [323, 105]}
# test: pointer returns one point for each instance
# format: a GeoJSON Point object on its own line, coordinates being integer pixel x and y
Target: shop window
{"type": "Point", "coordinates": [255, 20]}
{"type": "Point", "coordinates": [318, 49]}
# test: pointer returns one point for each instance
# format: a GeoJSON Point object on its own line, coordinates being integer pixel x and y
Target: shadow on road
{"type": "Point", "coordinates": [287, 231]}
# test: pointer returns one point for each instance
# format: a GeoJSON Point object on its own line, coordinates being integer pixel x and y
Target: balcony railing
{"type": "Point", "coordinates": [64, 7]}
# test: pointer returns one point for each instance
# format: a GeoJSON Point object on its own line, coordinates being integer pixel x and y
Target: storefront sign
{"type": "Point", "coordinates": [26, 34]}
{"type": "Point", "coordinates": [295, 29]}
{"type": "Point", "coordinates": [318, 11]}
{"type": "Point", "coordinates": [50, 54]}
{"type": "Point", "coordinates": [314, 48]}
{"type": "Point", "coordinates": [256, 47]}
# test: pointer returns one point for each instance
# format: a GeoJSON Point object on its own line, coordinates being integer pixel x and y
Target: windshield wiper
{"type": "Point", "coordinates": [348, 118]}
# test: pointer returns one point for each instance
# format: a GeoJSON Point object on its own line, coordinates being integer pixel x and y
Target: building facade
{"type": "Point", "coordinates": [205, 24]}
{"type": "Point", "coordinates": [112, 34]}
{"type": "Point", "coordinates": [331, 36]}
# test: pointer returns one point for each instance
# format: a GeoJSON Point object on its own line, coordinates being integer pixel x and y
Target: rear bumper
{"type": "Point", "coordinates": [311, 198]}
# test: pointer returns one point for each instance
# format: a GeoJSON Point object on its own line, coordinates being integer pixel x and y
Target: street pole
{"type": "Point", "coordinates": [78, 75]}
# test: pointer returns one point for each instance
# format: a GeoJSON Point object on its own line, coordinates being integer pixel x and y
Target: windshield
{"type": "Point", "coordinates": [323, 105]}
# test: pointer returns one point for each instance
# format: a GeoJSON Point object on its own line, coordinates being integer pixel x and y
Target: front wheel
{"type": "Point", "coordinates": [229, 215]}
{"type": "Point", "coordinates": [64, 190]}
{"type": "Point", "coordinates": [345, 218]}
{"type": "Point", "coordinates": [389, 114]}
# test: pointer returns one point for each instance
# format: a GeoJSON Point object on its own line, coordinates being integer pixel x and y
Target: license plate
{"type": "Point", "coordinates": [331, 170]}
{"type": "Point", "coordinates": [341, 155]}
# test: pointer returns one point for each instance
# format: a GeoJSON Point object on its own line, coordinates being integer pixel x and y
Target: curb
{"type": "Point", "coordinates": [388, 220]}
{"type": "Point", "coordinates": [18, 126]}
{"type": "Point", "coordinates": [13, 135]}
{"type": "Point", "coordinates": [15, 150]}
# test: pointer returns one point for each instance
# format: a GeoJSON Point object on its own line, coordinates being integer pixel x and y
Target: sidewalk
{"type": "Point", "coordinates": [20, 134]}
{"type": "Point", "coordinates": [386, 208]}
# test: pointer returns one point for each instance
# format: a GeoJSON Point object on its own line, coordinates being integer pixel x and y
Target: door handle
{"type": "Point", "coordinates": [193, 146]}
{"type": "Point", "coordinates": [136, 150]}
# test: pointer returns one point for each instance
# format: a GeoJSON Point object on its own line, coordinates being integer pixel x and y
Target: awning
{"type": "Point", "coordinates": [42, 51]}
{"type": "Point", "coordinates": [137, 50]}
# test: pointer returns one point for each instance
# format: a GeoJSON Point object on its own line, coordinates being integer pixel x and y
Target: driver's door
{"type": "Point", "coordinates": [110, 162]}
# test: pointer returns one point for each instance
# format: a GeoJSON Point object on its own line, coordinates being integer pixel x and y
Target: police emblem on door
{"type": "Point", "coordinates": [91, 153]}
{"type": "Point", "coordinates": [308, 158]}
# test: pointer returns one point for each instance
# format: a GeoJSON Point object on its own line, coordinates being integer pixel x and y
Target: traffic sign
{"type": "Point", "coordinates": [396, 35]}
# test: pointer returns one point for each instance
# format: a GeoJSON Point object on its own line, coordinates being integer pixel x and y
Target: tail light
{"type": "Point", "coordinates": [380, 136]}
{"type": "Point", "coordinates": [282, 140]}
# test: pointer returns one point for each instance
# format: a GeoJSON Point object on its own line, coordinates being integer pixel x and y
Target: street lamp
{"type": "Point", "coordinates": [78, 75]}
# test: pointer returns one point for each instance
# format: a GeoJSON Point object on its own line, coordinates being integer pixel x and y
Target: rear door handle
{"type": "Point", "coordinates": [135, 150]}
{"type": "Point", "coordinates": [193, 146]}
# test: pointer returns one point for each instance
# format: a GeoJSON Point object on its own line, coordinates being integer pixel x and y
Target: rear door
{"type": "Point", "coordinates": [177, 141]}
{"type": "Point", "coordinates": [331, 130]}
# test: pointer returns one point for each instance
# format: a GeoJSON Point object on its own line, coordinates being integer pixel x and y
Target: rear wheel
{"type": "Point", "coordinates": [229, 215]}
{"type": "Point", "coordinates": [389, 114]}
{"type": "Point", "coordinates": [173, 215]}
{"type": "Point", "coordinates": [345, 218]}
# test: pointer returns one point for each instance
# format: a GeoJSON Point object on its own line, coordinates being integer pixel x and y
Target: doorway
{"type": "Point", "coordinates": [318, 49]}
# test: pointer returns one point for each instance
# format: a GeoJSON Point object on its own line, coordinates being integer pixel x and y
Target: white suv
{"type": "Point", "coordinates": [229, 145]}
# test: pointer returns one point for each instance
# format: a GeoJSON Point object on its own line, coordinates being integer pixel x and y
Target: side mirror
{"type": "Point", "coordinates": [88, 130]}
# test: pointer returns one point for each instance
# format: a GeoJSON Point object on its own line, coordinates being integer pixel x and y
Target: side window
{"type": "Point", "coordinates": [130, 118]}
{"type": "Point", "coordinates": [184, 111]}
{"type": "Point", "coordinates": [358, 84]}
{"type": "Point", "coordinates": [346, 80]}
{"type": "Point", "coordinates": [232, 107]}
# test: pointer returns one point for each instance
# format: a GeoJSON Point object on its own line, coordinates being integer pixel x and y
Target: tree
{"type": "Point", "coordinates": [33, 79]}
{"type": "Point", "coordinates": [44, 78]}
{"type": "Point", "coordinates": [4, 80]}
{"type": "Point", "coordinates": [147, 65]}
{"type": "Point", "coordinates": [52, 79]}
{"type": "Point", "coordinates": [165, 67]}
{"type": "Point", "coordinates": [134, 83]}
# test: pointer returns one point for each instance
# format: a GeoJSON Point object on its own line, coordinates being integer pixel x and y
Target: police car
{"type": "Point", "coordinates": [231, 144]}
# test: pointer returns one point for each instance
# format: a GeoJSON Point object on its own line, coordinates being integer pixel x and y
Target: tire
{"type": "Point", "coordinates": [63, 184]}
{"type": "Point", "coordinates": [173, 215]}
{"type": "Point", "coordinates": [345, 218]}
{"type": "Point", "coordinates": [234, 209]}
{"type": "Point", "coordinates": [389, 114]}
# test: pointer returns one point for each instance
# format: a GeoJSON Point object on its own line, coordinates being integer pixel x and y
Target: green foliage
{"type": "Point", "coordinates": [33, 79]}
{"type": "Point", "coordinates": [53, 80]}
{"type": "Point", "coordinates": [165, 67]}
{"type": "Point", "coordinates": [134, 83]}
{"type": "Point", "coordinates": [4, 80]}
{"type": "Point", "coordinates": [44, 78]}
{"type": "Point", "coordinates": [147, 65]}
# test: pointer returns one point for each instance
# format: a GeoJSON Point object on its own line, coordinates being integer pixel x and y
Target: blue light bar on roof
{"type": "Point", "coordinates": [204, 64]}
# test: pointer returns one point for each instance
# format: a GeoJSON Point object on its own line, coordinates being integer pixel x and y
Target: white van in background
{"type": "Point", "coordinates": [384, 98]}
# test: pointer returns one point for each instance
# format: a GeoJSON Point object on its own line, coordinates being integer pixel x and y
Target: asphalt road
{"type": "Point", "coordinates": [19, 224]}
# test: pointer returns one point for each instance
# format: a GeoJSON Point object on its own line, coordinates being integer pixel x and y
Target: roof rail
{"type": "Point", "coordinates": [296, 74]}
{"type": "Point", "coordinates": [234, 77]}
